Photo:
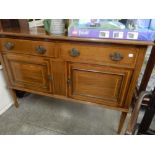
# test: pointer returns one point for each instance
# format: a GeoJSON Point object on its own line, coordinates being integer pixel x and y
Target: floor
{"type": "Point", "coordinates": [151, 83]}
{"type": "Point", "coordinates": [40, 115]}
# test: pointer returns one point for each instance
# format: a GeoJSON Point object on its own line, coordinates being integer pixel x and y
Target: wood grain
{"type": "Point", "coordinates": [59, 77]}
{"type": "Point", "coordinates": [90, 77]}
{"type": "Point", "coordinates": [24, 72]}
{"type": "Point", "coordinates": [121, 122]}
{"type": "Point", "coordinates": [135, 76]}
{"type": "Point", "coordinates": [100, 54]}
{"type": "Point", "coordinates": [29, 47]}
{"type": "Point", "coordinates": [100, 84]}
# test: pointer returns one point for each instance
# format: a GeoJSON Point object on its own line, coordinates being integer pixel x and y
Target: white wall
{"type": "Point", "coordinates": [5, 98]}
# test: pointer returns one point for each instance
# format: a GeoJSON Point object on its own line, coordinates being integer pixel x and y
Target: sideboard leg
{"type": "Point", "coordinates": [121, 122]}
{"type": "Point", "coordinates": [13, 94]}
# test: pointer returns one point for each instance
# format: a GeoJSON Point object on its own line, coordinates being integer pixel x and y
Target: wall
{"type": "Point", "coordinates": [5, 98]}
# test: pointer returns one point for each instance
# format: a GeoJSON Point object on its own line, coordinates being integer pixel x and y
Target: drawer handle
{"type": "Point", "coordinates": [9, 45]}
{"type": "Point", "coordinates": [40, 49]}
{"type": "Point", "coordinates": [74, 52]}
{"type": "Point", "coordinates": [116, 56]}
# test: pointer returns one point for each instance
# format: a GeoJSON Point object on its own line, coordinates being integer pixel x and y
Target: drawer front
{"type": "Point", "coordinates": [120, 55]}
{"type": "Point", "coordinates": [29, 47]}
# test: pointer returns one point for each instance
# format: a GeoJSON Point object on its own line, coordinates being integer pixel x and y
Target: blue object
{"type": "Point", "coordinates": [143, 23]}
{"type": "Point", "coordinates": [152, 24]}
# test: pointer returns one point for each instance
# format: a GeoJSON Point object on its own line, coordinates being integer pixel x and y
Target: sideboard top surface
{"type": "Point", "coordinates": [41, 34]}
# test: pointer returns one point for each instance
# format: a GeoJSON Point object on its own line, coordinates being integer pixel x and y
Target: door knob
{"type": "Point", "coordinates": [74, 52]}
{"type": "Point", "coordinates": [116, 56]}
{"type": "Point", "coordinates": [69, 81]}
{"type": "Point", "coordinates": [9, 45]}
{"type": "Point", "coordinates": [40, 49]}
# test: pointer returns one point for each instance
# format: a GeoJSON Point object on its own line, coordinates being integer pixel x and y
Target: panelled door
{"type": "Point", "coordinates": [99, 84]}
{"type": "Point", "coordinates": [29, 72]}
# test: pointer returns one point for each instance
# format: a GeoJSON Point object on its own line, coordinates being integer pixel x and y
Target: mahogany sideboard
{"type": "Point", "coordinates": [96, 71]}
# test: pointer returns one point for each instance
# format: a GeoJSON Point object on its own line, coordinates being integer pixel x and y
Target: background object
{"type": "Point", "coordinates": [18, 24]}
{"type": "Point", "coordinates": [36, 23]}
{"type": "Point", "coordinates": [55, 26]}
{"type": "Point", "coordinates": [6, 100]}
{"type": "Point", "coordinates": [152, 24]}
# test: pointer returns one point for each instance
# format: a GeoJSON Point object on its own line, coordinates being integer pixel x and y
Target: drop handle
{"type": "Point", "coordinates": [40, 49]}
{"type": "Point", "coordinates": [9, 45]}
{"type": "Point", "coordinates": [116, 56]}
{"type": "Point", "coordinates": [74, 52]}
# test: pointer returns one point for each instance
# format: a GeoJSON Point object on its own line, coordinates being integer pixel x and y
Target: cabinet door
{"type": "Point", "coordinates": [100, 84]}
{"type": "Point", "coordinates": [29, 72]}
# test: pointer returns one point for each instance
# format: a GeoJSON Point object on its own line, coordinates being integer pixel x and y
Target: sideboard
{"type": "Point", "coordinates": [95, 71]}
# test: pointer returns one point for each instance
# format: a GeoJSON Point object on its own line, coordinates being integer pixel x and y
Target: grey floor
{"type": "Point", "coordinates": [40, 115]}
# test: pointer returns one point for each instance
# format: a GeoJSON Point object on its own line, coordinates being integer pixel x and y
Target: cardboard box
{"type": "Point", "coordinates": [146, 35]}
{"type": "Point", "coordinates": [83, 29]}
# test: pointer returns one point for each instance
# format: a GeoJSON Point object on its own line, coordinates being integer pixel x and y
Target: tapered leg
{"type": "Point", "coordinates": [13, 94]}
{"type": "Point", "coordinates": [121, 122]}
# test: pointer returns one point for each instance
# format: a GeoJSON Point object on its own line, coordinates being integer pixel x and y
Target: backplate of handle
{"type": "Point", "coordinates": [116, 56]}
{"type": "Point", "coordinates": [9, 45]}
{"type": "Point", "coordinates": [40, 49]}
{"type": "Point", "coordinates": [74, 52]}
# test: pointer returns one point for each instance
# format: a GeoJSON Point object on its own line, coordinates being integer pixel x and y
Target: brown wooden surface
{"type": "Point", "coordinates": [8, 24]}
{"type": "Point", "coordinates": [59, 77]}
{"type": "Point", "coordinates": [24, 25]}
{"type": "Point", "coordinates": [29, 47]}
{"type": "Point", "coordinates": [134, 115]}
{"type": "Point", "coordinates": [19, 24]}
{"type": "Point", "coordinates": [135, 76]}
{"type": "Point", "coordinates": [0, 26]}
{"type": "Point", "coordinates": [90, 77]}
{"type": "Point", "coordinates": [24, 72]}
{"type": "Point", "coordinates": [100, 84]}
{"type": "Point", "coordinates": [121, 122]}
{"type": "Point", "coordinates": [100, 54]}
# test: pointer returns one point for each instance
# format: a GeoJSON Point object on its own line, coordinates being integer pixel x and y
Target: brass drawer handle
{"type": "Point", "coordinates": [116, 56]}
{"type": "Point", "coordinates": [74, 52]}
{"type": "Point", "coordinates": [9, 45]}
{"type": "Point", "coordinates": [40, 49]}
